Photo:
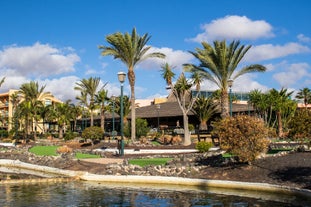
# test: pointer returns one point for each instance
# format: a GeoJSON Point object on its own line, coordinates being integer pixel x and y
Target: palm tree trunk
{"type": "Point", "coordinates": [224, 104]}
{"type": "Point", "coordinates": [102, 119]}
{"type": "Point", "coordinates": [131, 77]}
{"type": "Point", "coordinates": [92, 118]}
{"type": "Point", "coordinates": [280, 125]}
{"type": "Point", "coordinates": [203, 125]}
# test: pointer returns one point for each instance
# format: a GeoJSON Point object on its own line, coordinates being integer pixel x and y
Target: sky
{"type": "Point", "coordinates": [55, 42]}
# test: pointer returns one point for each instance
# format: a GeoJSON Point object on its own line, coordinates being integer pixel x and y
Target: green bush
{"type": "Point", "coordinates": [70, 135]}
{"type": "Point", "coordinates": [300, 125]}
{"type": "Point", "coordinates": [142, 128]}
{"type": "Point", "coordinates": [4, 133]}
{"type": "Point", "coordinates": [203, 146]}
{"type": "Point", "coordinates": [93, 133]}
{"type": "Point", "coordinates": [242, 135]}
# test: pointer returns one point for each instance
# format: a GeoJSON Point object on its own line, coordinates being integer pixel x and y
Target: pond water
{"type": "Point", "coordinates": [78, 194]}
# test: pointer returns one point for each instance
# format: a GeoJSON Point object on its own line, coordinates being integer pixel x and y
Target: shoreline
{"type": "Point", "coordinates": [204, 184]}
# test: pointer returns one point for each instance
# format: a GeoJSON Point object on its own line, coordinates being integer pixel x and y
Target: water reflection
{"type": "Point", "coordinates": [78, 194]}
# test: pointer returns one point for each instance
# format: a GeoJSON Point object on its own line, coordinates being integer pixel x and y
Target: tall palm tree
{"type": "Point", "coordinates": [32, 96]}
{"type": "Point", "coordinates": [218, 64]}
{"type": "Point", "coordinates": [89, 88]}
{"type": "Point", "coordinates": [131, 49]}
{"type": "Point", "coordinates": [305, 95]}
{"type": "Point", "coordinates": [204, 108]}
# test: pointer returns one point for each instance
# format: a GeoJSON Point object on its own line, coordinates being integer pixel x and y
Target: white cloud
{"type": "Point", "coordinates": [39, 60]}
{"type": "Point", "coordinates": [292, 74]}
{"type": "Point", "coordinates": [269, 51]}
{"type": "Point", "coordinates": [303, 38]}
{"type": "Point", "coordinates": [62, 88]}
{"type": "Point", "coordinates": [234, 27]}
{"type": "Point", "coordinates": [173, 57]}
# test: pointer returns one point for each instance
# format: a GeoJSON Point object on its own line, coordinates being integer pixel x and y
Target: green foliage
{"type": "Point", "coordinates": [142, 128]}
{"type": "Point", "coordinates": [203, 146]}
{"type": "Point", "coordinates": [300, 125]}
{"type": "Point", "coordinates": [4, 133]}
{"type": "Point", "coordinates": [243, 136]}
{"type": "Point", "coordinates": [44, 150]}
{"type": "Point", "coordinates": [70, 135]}
{"type": "Point", "coordinates": [93, 133]}
{"type": "Point", "coordinates": [149, 161]}
{"type": "Point", "coordinates": [191, 127]}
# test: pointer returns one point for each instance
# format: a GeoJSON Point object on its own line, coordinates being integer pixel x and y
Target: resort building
{"type": "Point", "coordinates": [6, 109]}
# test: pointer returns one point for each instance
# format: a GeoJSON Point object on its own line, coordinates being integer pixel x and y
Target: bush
{"type": "Point", "coordinates": [4, 133]}
{"type": "Point", "coordinates": [244, 136]}
{"type": "Point", "coordinates": [300, 125]}
{"type": "Point", "coordinates": [93, 133]}
{"type": "Point", "coordinates": [142, 128]}
{"type": "Point", "coordinates": [70, 135]}
{"type": "Point", "coordinates": [203, 146]}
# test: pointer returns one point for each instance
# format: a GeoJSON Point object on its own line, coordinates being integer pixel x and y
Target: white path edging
{"type": "Point", "coordinates": [85, 176]}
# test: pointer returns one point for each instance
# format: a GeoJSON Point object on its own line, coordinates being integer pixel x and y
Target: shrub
{"type": "Point", "coordinates": [300, 125]}
{"type": "Point", "coordinates": [203, 146]}
{"type": "Point", "coordinates": [244, 136]}
{"type": "Point", "coordinates": [4, 133]}
{"type": "Point", "coordinates": [92, 133]}
{"type": "Point", "coordinates": [70, 135]}
{"type": "Point", "coordinates": [142, 128]}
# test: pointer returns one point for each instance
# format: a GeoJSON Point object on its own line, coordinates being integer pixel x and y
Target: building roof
{"type": "Point", "coordinates": [172, 109]}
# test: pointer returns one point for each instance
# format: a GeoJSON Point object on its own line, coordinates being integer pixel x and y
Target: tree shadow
{"type": "Point", "coordinates": [299, 175]}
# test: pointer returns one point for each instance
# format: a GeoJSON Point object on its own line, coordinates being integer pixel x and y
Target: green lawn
{"type": "Point", "coordinates": [44, 150]}
{"type": "Point", "coordinates": [51, 151]}
{"type": "Point", "coordinates": [149, 161]}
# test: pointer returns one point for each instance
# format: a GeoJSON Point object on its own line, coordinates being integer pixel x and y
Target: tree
{"type": "Point", "coordinates": [219, 64]}
{"type": "Point", "coordinates": [283, 107]}
{"type": "Point", "coordinates": [305, 95]}
{"type": "Point", "coordinates": [274, 107]}
{"type": "Point", "coordinates": [131, 49]}
{"type": "Point", "coordinates": [204, 108]}
{"type": "Point", "coordinates": [88, 88]}
{"type": "Point", "coordinates": [182, 91]}
{"type": "Point", "coordinates": [32, 98]}
{"type": "Point", "coordinates": [101, 98]}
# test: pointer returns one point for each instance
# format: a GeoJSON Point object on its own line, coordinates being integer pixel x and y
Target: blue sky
{"type": "Point", "coordinates": [55, 42]}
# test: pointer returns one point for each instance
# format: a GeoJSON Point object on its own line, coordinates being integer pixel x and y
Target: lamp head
{"type": "Point", "coordinates": [121, 76]}
{"type": "Point", "coordinates": [230, 83]}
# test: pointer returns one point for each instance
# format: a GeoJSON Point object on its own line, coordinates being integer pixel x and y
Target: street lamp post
{"type": "Point", "coordinates": [121, 77]}
{"type": "Point", "coordinates": [158, 110]}
{"type": "Point", "coordinates": [113, 106]}
{"type": "Point", "coordinates": [230, 83]}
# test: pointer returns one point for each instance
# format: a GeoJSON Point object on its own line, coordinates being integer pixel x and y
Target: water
{"type": "Point", "coordinates": [83, 194]}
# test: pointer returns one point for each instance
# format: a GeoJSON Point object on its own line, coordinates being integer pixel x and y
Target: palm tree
{"type": "Point", "coordinates": [101, 98]}
{"type": "Point", "coordinates": [32, 97]}
{"type": "Point", "coordinates": [204, 108]}
{"type": "Point", "coordinates": [15, 100]}
{"type": "Point", "coordinates": [167, 73]}
{"type": "Point", "coordinates": [88, 88]}
{"type": "Point", "coordinates": [219, 64]}
{"type": "Point", "coordinates": [131, 49]}
{"type": "Point", "coordinates": [283, 107]}
{"type": "Point", "coordinates": [305, 95]}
